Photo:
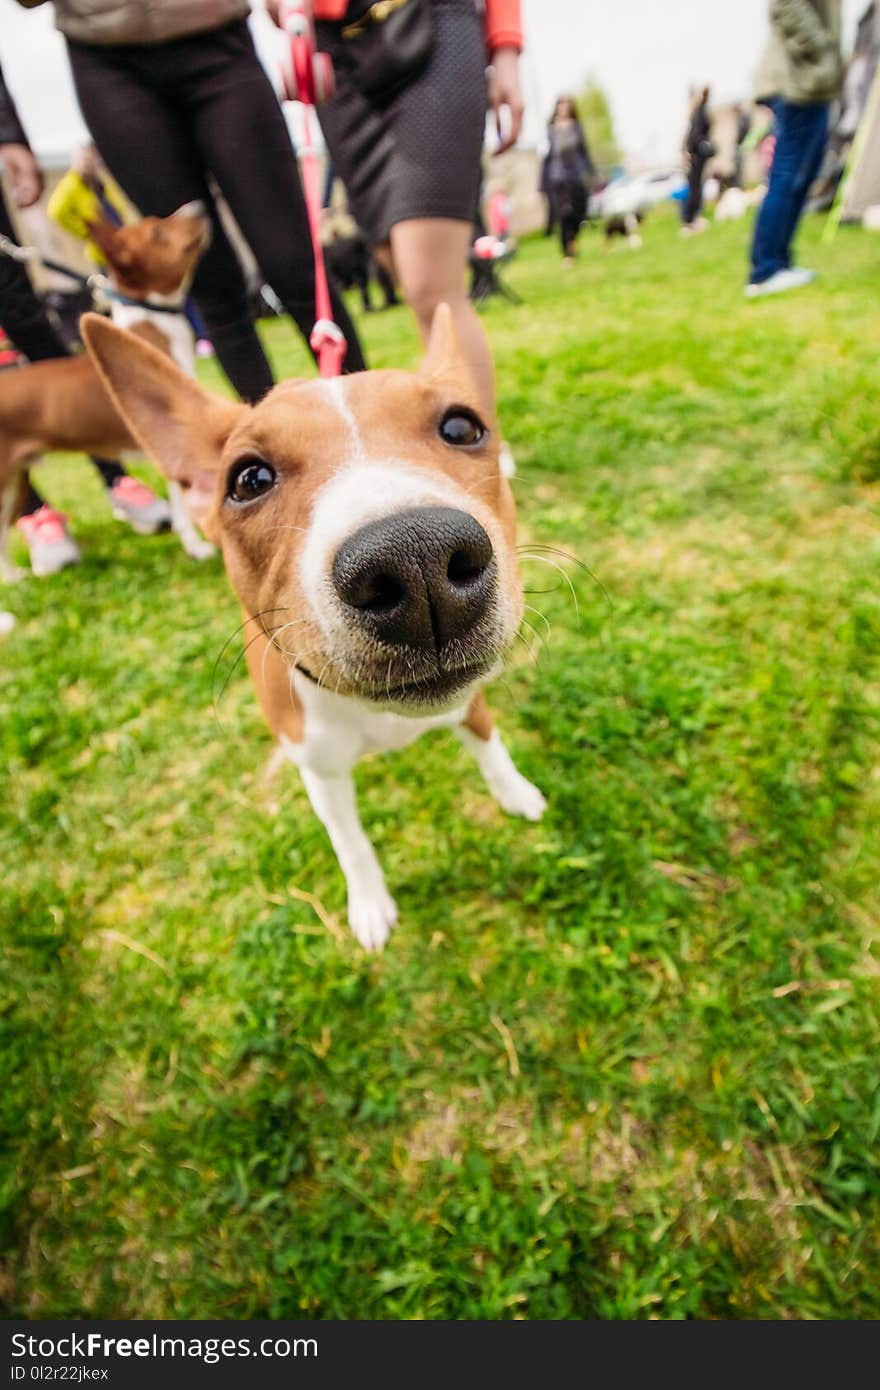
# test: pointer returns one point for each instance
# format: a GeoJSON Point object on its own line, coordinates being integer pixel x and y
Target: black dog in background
{"type": "Point", "coordinates": [353, 266]}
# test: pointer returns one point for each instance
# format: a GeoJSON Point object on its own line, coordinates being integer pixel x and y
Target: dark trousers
{"type": "Point", "coordinates": [801, 136]}
{"type": "Point", "coordinates": [28, 326]}
{"type": "Point", "coordinates": [694, 201]}
{"type": "Point", "coordinates": [569, 209]}
{"type": "Point", "coordinates": [165, 117]}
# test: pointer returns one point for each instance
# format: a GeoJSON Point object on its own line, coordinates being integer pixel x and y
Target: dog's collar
{"type": "Point", "coordinates": [119, 298]}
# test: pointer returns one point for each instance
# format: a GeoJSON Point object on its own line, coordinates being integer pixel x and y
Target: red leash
{"type": "Point", "coordinates": [309, 79]}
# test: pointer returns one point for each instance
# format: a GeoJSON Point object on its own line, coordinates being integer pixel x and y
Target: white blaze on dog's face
{"type": "Point", "coordinates": [365, 519]}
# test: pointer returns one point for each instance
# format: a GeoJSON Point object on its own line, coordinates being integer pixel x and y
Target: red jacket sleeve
{"type": "Point", "coordinates": [503, 25]}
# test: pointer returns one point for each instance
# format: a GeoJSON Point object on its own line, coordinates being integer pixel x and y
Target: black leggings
{"type": "Point", "coordinates": [28, 326]}
{"type": "Point", "coordinates": [694, 200]}
{"type": "Point", "coordinates": [164, 117]}
{"type": "Point", "coordinates": [569, 208]}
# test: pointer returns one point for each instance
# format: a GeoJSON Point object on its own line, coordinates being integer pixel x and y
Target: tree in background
{"type": "Point", "coordinates": [597, 120]}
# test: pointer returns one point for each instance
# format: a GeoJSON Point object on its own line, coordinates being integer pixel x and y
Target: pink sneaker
{"type": "Point", "coordinates": [135, 503]}
{"type": "Point", "coordinates": [50, 545]}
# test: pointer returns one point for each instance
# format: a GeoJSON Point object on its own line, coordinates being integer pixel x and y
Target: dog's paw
{"type": "Point", "coordinates": [520, 797]}
{"type": "Point", "coordinates": [371, 915]}
{"type": "Point", "coordinates": [200, 550]}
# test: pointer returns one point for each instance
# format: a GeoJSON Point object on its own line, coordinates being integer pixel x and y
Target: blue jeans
{"type": "Point", "coordinates": [801, 133]}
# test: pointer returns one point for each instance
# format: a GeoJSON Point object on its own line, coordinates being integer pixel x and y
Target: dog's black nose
{"type": "Point", "coordinates": [417, 578]}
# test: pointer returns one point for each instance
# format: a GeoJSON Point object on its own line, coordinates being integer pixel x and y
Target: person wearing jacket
{"type": "Point", "coordinates": [698, 150]}
{"type": "Point", "coordinates": [28, 326]}
{"type": "Point", "coordinates": [410, 157]}
{"type": "Point", "coordinates": [800, 75]}
{"type": "Point", "coordinates": [569, 167]}
{"type": "Point", "coordinates": [173, 92]}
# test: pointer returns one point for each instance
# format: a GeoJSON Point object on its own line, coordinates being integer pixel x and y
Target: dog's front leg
{"type": "Point", "coordinates": [10, 506]}
{"type": "Point", "coordinates": [514, 793]}
{"type": "Point", "coordinates": [371, 910]}
{"type": "Point", "coordinates": [185, 528]}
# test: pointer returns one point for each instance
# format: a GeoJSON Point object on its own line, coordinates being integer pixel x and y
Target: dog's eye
{"type": "Point", "coordinates": [462, 428]}
{"type": "Point", "coordinates": [249, 479]}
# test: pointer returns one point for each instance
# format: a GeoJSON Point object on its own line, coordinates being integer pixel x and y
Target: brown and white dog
{"type": "Point", "coordinates": [62, 405]}
{"type": "Point", "coordinates": [370, 536]}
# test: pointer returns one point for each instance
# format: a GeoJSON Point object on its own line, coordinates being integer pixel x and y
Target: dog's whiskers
{"type": "Point", "coordinates": [527, 553]}
{"type": "Point", "coordinates": [256, 618]}
{"type": "Point", "coordinates": [297, 622]}
{"type": "Point", "coordinates": [542, 560]}
{"type": "Point", "coordinates": [538, 614]}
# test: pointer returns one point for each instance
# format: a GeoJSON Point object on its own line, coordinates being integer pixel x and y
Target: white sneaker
{"type": "Point", "coordinates": [51, 546]}
{"type": "Point", "coordinates": [134, 502]}
{"type": "Point", "coordinates": [792, 279]}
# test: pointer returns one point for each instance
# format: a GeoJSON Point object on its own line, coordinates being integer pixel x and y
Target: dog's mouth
{"type": "Point", "coordinates": [426, 690]}
{"type": "Point", "coordinates": [433, 691]}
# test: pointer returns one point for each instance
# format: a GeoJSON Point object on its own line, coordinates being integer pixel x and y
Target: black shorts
{"type": "Point", "coordinates": [420, 156]}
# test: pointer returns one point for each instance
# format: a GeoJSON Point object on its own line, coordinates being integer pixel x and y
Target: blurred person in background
{"type": "Point", "coordinates": [698, 150]}
{"type": "Point", "coordinates": [743, 126]}
{"type": "Point", "coordinates": [569, 169]}
{"type": "Point", "coordinates": [800, 75]}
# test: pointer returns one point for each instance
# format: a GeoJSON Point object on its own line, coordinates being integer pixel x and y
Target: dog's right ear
{"type": "Point", "coordinates": [180, 426]}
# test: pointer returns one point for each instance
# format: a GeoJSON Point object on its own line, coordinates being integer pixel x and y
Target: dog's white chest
{"type": "Point", "coordinates": [175, 327]}
{"type": "Point", "coordinates": [338, 730]}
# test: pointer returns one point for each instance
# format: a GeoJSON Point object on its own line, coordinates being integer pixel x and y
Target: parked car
{"type": "Point", "coordinates": [636, 193]}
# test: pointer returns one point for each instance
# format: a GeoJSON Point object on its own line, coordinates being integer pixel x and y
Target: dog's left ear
{"type": "Point", "coordinates": [180, 426]}
{"type": "Point", "coordinates": [444, 361]}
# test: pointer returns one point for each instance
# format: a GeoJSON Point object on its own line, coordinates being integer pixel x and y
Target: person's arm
{"type": "Point", "coordinates": [16, 156]}
{"type": "Point", "coordinates": [504, 43]}
{"type": "Point", "coordinates": [800, 26]}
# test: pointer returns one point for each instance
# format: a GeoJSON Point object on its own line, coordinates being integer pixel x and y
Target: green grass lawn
{"type": "Point", "coordinates": [620, 1064]}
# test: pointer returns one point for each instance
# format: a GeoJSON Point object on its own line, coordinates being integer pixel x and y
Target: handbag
{"type": "Point", "coordinates": [388, 45]}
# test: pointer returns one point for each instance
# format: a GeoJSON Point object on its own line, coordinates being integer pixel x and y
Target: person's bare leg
{"type": "Point", "coordinates": [430, 262]}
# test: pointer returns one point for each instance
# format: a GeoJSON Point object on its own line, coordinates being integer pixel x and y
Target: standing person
{"type": "Point", "coordinates": [698, 150]}
{"type": "Point", "coordinates": [171, 92]}
{"type": "Point", "coordinates": [569, 166]}
{"type": "Point", "coordinates": [743, 126]}
{"type": "Point", "coordinates": [410, 155]}
{"type": "Point", "coordinates": [800, 75]}
{"type": "Point", "coordinates": [27, 324]}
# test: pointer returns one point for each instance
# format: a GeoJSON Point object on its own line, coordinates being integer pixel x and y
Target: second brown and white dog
{"type": "Point", "coordinates": [369, 534]}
